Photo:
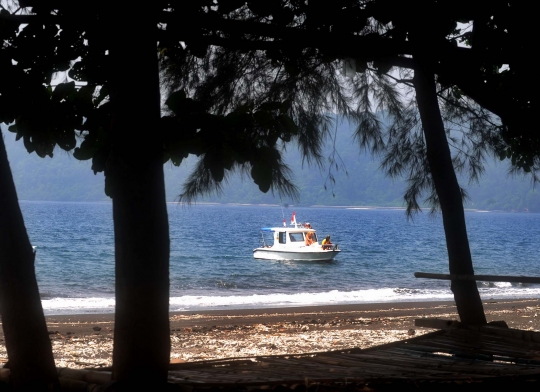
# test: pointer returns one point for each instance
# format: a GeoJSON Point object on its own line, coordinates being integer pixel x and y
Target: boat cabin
{"type": "Point", "coordinates": [290, 237]}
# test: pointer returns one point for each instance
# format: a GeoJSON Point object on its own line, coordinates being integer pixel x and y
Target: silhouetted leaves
{"type": "Point", "coordinates": [233, 98]}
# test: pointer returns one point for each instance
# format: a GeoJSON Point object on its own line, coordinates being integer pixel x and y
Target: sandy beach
{"type": "Point", "coordinates": [82, 341]}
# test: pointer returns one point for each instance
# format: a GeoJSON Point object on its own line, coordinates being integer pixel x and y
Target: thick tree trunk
{"type": "Point", "coordinates": [135, 179]}
{"type": "Point", "coordinates": [468, 302]}
{"type": "Point", "coordinates": [27, 341]}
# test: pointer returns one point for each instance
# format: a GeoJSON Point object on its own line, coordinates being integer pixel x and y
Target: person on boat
{"type": "Point", "coordinates": [326, 243]}
{"type": "Point", "coordinates": [309, 238]}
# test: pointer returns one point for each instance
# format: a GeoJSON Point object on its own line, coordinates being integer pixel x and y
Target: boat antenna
{"type": "Point", "coordinates": [283, 213]}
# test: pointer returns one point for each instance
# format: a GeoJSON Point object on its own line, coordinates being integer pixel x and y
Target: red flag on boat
{"type": "Point", "coordinates": [293, 218]}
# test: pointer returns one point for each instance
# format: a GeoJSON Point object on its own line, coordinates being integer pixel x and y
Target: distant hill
{"type": "Point", "coordinates": [63, 178]}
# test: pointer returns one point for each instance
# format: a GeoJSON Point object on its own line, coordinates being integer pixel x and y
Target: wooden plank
{"type": "Point", "coordinates": [407, 368]}
{"type": "Point", "coordinates": [483, 278]}
{"type": "Point", "coordinates": [367, 367]}
{"type": "Point", "coordinates": [480, 347]}
{"type": "Point", "coordinates": [517, 334]}
{"type": "Point", "coordinates": [366, 370]}
{"type": "Point", "coordinates": [435, 323]}
{"type": "Point", "coordinates": [514, 338]}
{"type": "Point", "coordinates": [208, 364]}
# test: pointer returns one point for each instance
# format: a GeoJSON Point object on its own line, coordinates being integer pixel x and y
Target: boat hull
{"type": "Point", "coordinates": [282, 254]}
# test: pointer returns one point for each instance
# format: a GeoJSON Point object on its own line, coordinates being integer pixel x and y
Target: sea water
{"type": "Point", "coordinates": [212, 264]}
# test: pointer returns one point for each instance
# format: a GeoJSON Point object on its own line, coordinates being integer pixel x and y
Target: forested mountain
{"type": "Point", "coordinates": [359, 182]}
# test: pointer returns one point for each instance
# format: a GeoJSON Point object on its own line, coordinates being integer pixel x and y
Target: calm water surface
{"type": "Point", "coordinates": [212, 264]}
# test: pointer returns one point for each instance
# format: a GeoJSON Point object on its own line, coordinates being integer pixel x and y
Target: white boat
{"type": "Point", "coordinates": [289, 243]}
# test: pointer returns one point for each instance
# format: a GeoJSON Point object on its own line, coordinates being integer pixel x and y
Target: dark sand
{"type": "Point", "coordinates": [517, 314]}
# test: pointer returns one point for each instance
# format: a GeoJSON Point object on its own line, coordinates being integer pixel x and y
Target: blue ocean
{"type": "Point", "coordinates": [212, 264]}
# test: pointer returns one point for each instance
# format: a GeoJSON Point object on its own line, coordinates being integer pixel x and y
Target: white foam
{"type": "Point", "coordinates": [333, 297]}
{"type": "Point", "coordinates": [252, 301]}
{"type": "Point", "coordinates": [78, 305]}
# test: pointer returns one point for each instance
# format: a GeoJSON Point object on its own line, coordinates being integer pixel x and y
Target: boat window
{"type": "Point", "coordinates": [296, 237]}
{"type": "Point", "coordinates": [282, 238]}
{"type": "Point", "coordinates": [314, 237]}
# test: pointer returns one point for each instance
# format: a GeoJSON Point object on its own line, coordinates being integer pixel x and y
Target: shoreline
{"type": "Point", "coordinates": [86, 340]}
{"type": "Point", "coordinates": [212, 203]}
{"type": "Point", "coordinates": [288, 310]}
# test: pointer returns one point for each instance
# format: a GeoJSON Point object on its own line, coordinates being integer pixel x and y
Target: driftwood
{"type": "Point", "coordinates": [433, 323]}
{"type": "Point", "coordinates": [87, 376]}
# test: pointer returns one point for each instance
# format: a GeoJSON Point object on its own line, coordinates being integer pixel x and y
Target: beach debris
{"type": "Point", "coordinates": [411, 332]}
{"type": "Point", "coordinates": [97, 329]}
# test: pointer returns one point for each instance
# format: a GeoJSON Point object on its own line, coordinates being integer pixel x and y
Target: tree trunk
{"type": "Point", "coordinates": [134, 176]}
{"type": "Point", "coordinates": [468, 302]}
{"type": "Point", "coordinates": [28, 345]}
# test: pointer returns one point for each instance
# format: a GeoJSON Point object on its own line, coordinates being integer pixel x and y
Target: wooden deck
{"type": "Point", "coordinates": [457, 355]}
